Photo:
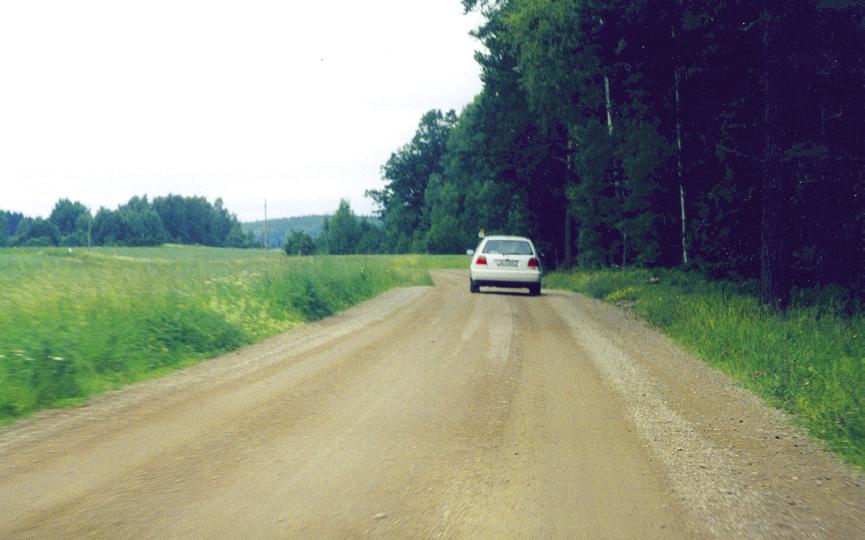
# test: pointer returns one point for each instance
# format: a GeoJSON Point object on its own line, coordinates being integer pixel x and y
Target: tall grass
{"type": "Point", "coordinates": [77, 323]}
{"type": "Point", "coordinates": [809, 362]}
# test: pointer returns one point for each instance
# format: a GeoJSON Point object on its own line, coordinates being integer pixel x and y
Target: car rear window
{"type": "Point", "coordinates": [508, 247]}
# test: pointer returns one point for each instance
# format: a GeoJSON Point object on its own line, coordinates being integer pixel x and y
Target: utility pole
{"type": "Point", "coordinates": [265, 229]}
{"type": "Point", "coordinates": [266, 244]}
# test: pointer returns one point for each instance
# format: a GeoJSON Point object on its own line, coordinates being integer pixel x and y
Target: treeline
{"type": "Point", "coordinates": [342, 233]}
{"type": "Point", "coordinates": [278, 229]}
{"type": "Point", "coordinates": [722, 136]}
{"type": "Point", "coordinates": [139, 222]}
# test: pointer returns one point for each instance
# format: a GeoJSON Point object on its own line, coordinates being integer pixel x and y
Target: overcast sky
{"type": "Point", "coordinates": [299, 103]}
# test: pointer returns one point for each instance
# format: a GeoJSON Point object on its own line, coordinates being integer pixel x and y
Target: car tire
{"type": "Point", "coordinates": [535, 290]}
{"type": "Point", "coordinates": [474, 287]}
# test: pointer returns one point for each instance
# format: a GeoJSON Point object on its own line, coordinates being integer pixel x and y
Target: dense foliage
{"type": "Point", "coordinates": [344, 233]}
{"type": "Point", "coordinates": [139, 222]}
{"type": "Point", "coordinates": [720, 136]}
{"type": "Point", "coordinates": [9, 222]}
{"type": "Point", "coordinates": [298, 242]}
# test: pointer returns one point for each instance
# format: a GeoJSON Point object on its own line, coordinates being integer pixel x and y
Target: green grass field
{"type": "Point", "coordinates": [809, 362]}
{"type": "Point", "coordinates": [73, 324]}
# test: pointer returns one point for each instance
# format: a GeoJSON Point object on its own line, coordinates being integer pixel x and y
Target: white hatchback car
{"type": "Point", "coordinates": [505, 261]}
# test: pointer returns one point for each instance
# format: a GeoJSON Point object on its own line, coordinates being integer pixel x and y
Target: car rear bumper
{"type": "Point", "coordinates": [508, 284]}
{"type": "Point", "coordinates": [504, 278]}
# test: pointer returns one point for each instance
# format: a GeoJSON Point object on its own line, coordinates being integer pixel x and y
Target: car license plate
{"type": "Point", "coordinates": [507, 262]}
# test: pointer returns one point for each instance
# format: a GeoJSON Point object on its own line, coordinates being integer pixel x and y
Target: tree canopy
{"type": "Point", "coordinates": [139, 222]}
{"type": "Point", "coordinates": [344, 233]}
{"type": "Point", "coordinates": [724, 137]}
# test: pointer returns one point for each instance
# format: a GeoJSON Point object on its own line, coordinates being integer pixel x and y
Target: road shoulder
{"type": "Point", "coordinates": [741, 467]}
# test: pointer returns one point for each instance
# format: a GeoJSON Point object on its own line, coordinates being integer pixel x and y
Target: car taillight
{"type": "Point", "coordinates": [533, 263]}
{"type": "Point", "coordinates": [481, 260]}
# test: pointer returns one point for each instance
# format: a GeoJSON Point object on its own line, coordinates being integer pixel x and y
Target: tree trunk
{"type": "Point", "coordinates": [777, 188]}
{"type": "Point", "coordinates": [569, 254]}
{"type": "Point", "coordinates": [679, 166]}
{"type": "Point", "coordinates": [569, 217]}
{"type": "Point", "coordinates": [609, 104]}
{"type": "Point", "coordinates": [617, 184]}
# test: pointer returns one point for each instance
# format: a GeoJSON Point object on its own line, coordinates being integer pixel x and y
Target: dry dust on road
{"type": "Point", "coordinates": [431, 412]}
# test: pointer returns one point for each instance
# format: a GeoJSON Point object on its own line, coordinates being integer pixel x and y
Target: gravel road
{"type": "Point", "coordinates": [432, 412]}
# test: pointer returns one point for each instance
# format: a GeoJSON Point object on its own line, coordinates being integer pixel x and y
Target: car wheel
{"type": "Point", "coordinates": [535, 290]}
{"type": "Point", "coordinates": [474, 287]}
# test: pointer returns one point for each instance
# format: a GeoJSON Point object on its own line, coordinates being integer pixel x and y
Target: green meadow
{"type": "Point", "coordinates": [809, 362]}
{"type": "Point", "coordinates": [77, 322]}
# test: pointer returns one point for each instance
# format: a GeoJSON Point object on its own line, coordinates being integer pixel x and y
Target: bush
{"type": "Point", "coordinates": [299, 243]}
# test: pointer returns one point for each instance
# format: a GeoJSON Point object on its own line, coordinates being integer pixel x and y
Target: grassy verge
{"type": "Point", "coordinates": [809, 362]}
{"type": "Point", "coordinates": [77, 323]}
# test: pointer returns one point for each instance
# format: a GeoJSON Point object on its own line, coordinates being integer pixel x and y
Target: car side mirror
{"type": "Point", "coordinates": [470, 252]}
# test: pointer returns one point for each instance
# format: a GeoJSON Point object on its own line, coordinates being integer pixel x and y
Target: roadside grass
{"type": "Point", "coordinates": [73, 324]}
{"type": "Point", "coordinates": [809, 362]}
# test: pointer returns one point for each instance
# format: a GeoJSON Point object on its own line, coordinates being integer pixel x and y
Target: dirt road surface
{"type": "Point", "coordinates": [431, 412]}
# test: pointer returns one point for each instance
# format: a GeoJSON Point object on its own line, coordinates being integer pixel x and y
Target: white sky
{"type": "Point", "coordinates": [296, 102]}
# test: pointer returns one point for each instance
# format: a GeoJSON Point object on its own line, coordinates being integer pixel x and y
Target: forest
{"type": "Point", "coordinates": [139, 222]}
{"type": "Point", "coordinates": [721, 137]}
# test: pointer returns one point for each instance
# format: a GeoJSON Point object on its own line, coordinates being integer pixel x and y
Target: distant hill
{"type": "Point", "coordinates": [277, 229]}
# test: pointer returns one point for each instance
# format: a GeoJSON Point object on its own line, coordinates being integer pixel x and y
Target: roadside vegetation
{"type": "Point", "coordinates": [809, 361]}
{"type": "Point", "coordinates": [77, 322]}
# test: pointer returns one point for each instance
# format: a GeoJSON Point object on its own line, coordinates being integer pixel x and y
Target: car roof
{"type": "Point", "coordinates": [504, 237]}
